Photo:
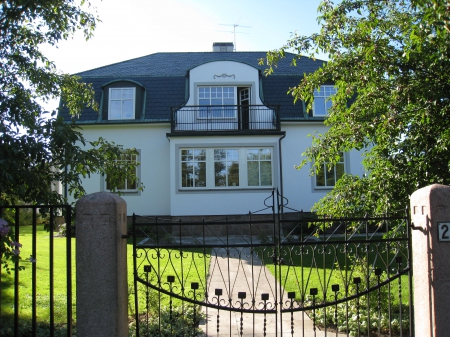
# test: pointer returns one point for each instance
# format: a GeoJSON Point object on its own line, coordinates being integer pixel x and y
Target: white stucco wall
{"type": "Point", "coordinates": [151, 140]}
{"type": "Point", "coordinates": [159, 169]}
{"type": "Point", "coordinates": [298, 184]}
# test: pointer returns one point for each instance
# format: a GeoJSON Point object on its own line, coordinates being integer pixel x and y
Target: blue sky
{"type": "Point", "coordinates": [135, 28]}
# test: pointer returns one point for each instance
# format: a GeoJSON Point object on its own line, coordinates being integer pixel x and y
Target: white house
{"type": "Point", "coordinates": [214, 134]}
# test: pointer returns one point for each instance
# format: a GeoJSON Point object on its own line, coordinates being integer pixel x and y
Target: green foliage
{"type": "Point", "coordinates": [179, 322]}
{"type": "Point", "coordinates": [354, 315]}
{"type": "Point", "coordinates": [390, 63]}
{"type": "Point", "coordinates": [25, 329]}
{"type": "Point", "coordinates": [37, 148]}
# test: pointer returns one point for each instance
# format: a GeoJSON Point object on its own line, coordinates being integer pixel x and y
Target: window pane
{"type": "Point", "coordinates": [253, 173]}
{"type": "Point", "coordinates": [319, 106]}
{"type": "Point", "coordinates": [233, 154]}
{"type": "Point", "coordinates": [203, 112]}
{"type": "Point", "coordinates": [252, 154]}
{"type": "Point", "coordinates": [128, 93]}
{"type": "Point", "coordinates": [339, 171]}
{"type": "Point", "coordinates": [330, 181]}
{"type": "Point", "coordinates": [266, 173]}
{"type": "Point", "coordinates": [116, 109]}
{"type": "Point", "coordinates": [220, 154]}
{"type": "Point", "coordinates": [186, 155]}
{"type": "Point", "coordinates": [216, 112]}
{"type": "Point", "coordinates": [200, 154]}
{"type": "Point", "coordinates": [187, 175]}
{"type": "Point", "coordinates": [233, 174]}
{"type": "Point", "coordinates": [200, 174]}
{"type": "Point", "coordinates": [116, 93]}
{"type": "Point", "coordinates": [320, 177]}
{"type": "Point", "coordinates": [265, 154]}
{"type": "Point", "coordinates": [131, 185]}
{"type": "Point", "coordinates": [127, 109]}
{"type": "Point", "coordinates": [220, 173]}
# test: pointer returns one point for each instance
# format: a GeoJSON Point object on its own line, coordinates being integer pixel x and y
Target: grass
{"type": "Point", "coordinates": [170, 264]}
{"type": "Point", "coordinates": [303, 269]}
{"type": "Point", "coordinates": [321, 266]}
{"type": "Point", "coordinates": [43, 278]}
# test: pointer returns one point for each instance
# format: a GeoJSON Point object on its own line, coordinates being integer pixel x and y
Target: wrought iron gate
{"type": "Point", "coordinates": [272, 274]}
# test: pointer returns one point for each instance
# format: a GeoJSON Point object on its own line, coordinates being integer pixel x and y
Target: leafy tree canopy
{"type": "Point", "coordinates": [391, 60]}
{"type": "Point", "coordinates": [37, 148]}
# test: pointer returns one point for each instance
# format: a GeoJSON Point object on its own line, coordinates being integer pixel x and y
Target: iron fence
{"type": "Point", "coordinates": [225, 118]}
{"type": "Point", "coordinates": [33, 305]}
{"type": "Point", "coordinates": [271, 274]}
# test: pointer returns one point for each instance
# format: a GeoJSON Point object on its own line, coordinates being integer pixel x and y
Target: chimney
{"type": "Point", "coordinates": [223, 47]}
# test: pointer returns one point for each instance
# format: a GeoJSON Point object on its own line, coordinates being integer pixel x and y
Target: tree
{"type": "Point", "coordinates": [38, 148]}
{"type": "Point", "coordinates": [390, 61]}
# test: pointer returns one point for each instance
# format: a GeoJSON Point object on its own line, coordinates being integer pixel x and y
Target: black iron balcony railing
{"type": "Point", "coordinates": [225, 118]}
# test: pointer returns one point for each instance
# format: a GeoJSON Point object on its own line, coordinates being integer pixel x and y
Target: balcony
{"type": "Point", "coordinates": [225, 118]}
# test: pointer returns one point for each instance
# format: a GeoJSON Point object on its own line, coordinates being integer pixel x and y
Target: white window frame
{"type": "Point", "coordinates": [126, 190]}
{"type": "Point", "coordinates": [210, 160]}
{"type": "Point", "coordinates": [121, 102]}
{"type": "Point", "coordinates": [212, 99]}
{"type": "Point", "coordinates": [327, 173]}
{"type": "Point", "coordinates": [322, 100]}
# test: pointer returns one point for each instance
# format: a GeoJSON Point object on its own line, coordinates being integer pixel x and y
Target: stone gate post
{"type": "Point", "coordinates": [430, 215]}
{"type": "Point", "coordinates": [101, 266]}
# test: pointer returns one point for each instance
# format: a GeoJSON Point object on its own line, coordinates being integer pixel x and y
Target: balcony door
{"type": "Point", "coordinates": [244, 107]}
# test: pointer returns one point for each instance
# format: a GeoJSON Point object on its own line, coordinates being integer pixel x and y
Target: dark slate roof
{"type": "Point", "coordinates": [163, 75]}
{"type": "Point", "coordinates": [177, 64]}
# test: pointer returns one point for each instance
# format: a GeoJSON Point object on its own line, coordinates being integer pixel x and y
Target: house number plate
{"type": "Point", "coordinates": [444, 231]}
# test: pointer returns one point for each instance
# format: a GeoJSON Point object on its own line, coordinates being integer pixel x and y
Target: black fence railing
{"type": "Point", "coordinates": [36, 289]}
{"type": "Point", "coordinates": [225, 118]}
{"type": "Point", "coordinates": [266, 275]}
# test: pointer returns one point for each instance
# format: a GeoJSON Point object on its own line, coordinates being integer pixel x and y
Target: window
{"type": "Point", "coordinates": [213, 99]}
{"type": "Point", "coordinates": [121, 103]}
{"type": "Point", "coordinates": [210, 168]}
{"type": "Point", "coordinates": [259, 167]}
{"type": "Point", "coordinates": [327, 177]}
{"type": "Point", "coordinates": [226, 167]}
{"type": "Point", "coordinates": [193, 168]}
{"type": "Point", "coordinates": [126, 185]}
{"type": "Point", "coordinates": [322, 100]}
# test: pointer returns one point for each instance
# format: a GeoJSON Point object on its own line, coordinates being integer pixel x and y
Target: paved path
{"type": "Point", "coordinates": [234, 275]}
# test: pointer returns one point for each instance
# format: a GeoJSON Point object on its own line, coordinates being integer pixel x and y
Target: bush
{"type": "Point", "coordinates": [355, 314]}
{"type": "Point", "coordinates": [179, 323]}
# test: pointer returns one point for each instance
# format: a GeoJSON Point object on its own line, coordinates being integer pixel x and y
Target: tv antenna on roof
{"type": "Point", "coordinates": [234, 25]}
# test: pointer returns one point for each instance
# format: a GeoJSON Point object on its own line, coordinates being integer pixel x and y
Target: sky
{"type": "Point", "coordinates": [135, 28]}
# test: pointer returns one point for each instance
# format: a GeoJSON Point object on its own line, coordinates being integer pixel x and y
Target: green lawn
{"type": "Point", "coordinates": [321, 266]}
{"type": "Point", "coordinates": [170, 264]}
{"type": "Point", "coordinates": [302, 270]}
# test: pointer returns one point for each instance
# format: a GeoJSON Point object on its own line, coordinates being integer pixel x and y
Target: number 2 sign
{"type": "Point", "coordinates": [444, 231]}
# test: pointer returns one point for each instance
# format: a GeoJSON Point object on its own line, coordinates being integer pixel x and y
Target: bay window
{"type": "Point", "coordinates": [226, 168]}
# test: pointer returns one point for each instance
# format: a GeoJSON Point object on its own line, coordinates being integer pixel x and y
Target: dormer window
{"type": "Point", "coordinates": [122, 102]}
{"type": "Point", "coordinates": [322, 100]}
